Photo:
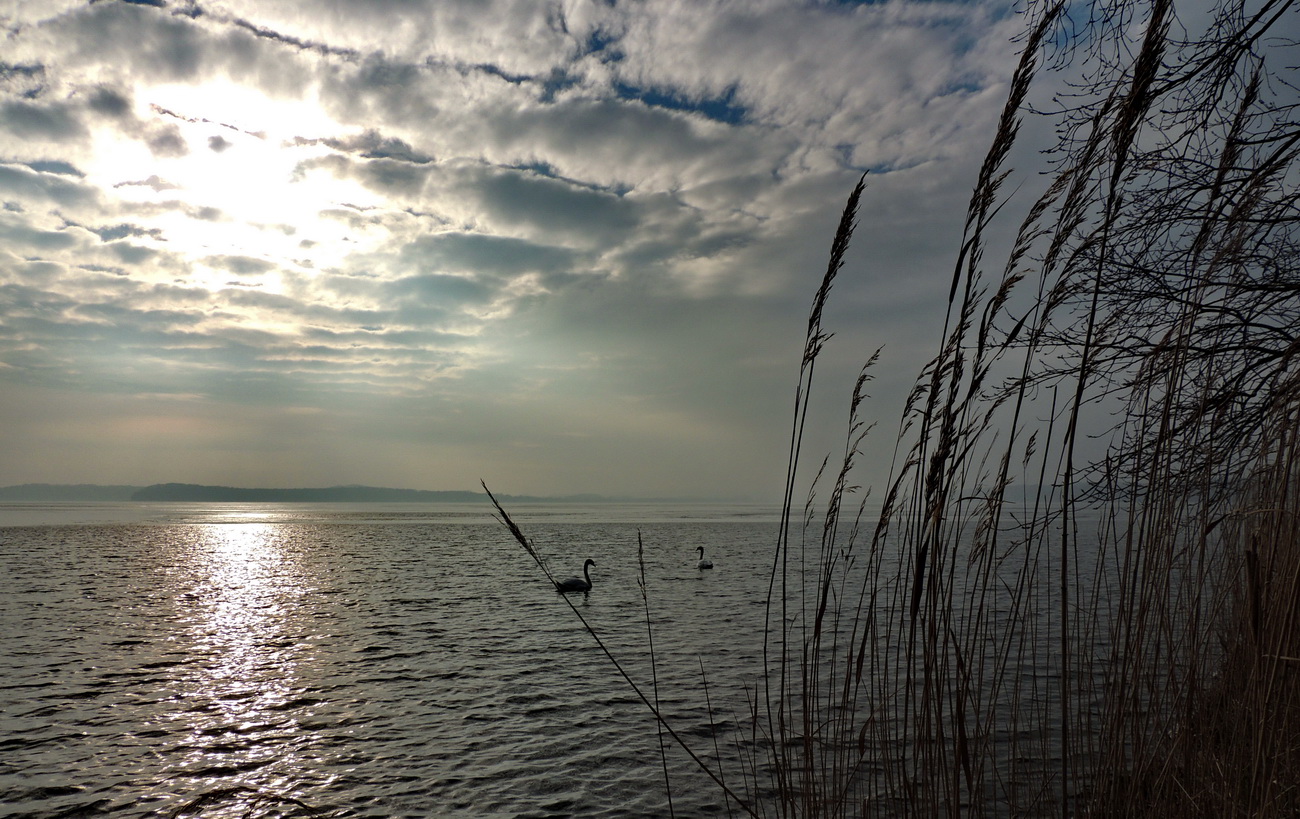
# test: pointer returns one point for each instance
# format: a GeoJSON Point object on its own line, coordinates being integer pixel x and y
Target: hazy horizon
{"type": "Point", "coordinates": [64, 491]}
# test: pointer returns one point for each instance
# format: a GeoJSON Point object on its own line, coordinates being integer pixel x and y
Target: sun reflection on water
{"type": "Point", "coordinates": [243, 700]}
{"type": "Point", "coordinates": [245, 595]}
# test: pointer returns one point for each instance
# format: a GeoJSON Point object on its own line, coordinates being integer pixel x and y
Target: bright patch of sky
{"type": "Point", "coordinates": [565, 247]}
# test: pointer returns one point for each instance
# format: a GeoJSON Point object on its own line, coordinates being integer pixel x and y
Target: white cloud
{"type": "Point", "coordinates": [532, 221]}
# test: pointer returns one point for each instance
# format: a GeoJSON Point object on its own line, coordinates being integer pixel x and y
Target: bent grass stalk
{"type": "Point", "coordinates": [528, 547]}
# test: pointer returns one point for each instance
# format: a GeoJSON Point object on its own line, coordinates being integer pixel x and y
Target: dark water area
{"type": "Point", "coordinates": [365, 660]}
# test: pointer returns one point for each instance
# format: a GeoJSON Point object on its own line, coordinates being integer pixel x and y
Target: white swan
{"type": "Point", "coordinates": [577, 584]}
{"type": "Point", "coordinates": [703, 564]}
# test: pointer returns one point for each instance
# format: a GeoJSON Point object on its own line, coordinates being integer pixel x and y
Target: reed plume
{"type": "Point", "coordinates": [1080, 593]}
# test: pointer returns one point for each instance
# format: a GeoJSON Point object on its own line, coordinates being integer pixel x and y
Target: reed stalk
{"type": "Point", "coordinates": [1080, 594]}
{"type": "Point", "coordinates": [654, 667]}
{"type": "Point", "coordinates": [650, 704]}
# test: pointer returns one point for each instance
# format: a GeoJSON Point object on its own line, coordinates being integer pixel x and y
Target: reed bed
{"type": "Point", "coordinates": [1080, 595]}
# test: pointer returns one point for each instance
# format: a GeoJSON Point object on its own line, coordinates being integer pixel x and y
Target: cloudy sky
{"type": "Point", "coordinates": [561, 246]}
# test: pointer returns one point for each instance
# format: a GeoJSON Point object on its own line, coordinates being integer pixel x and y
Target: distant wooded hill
{"type": "Point", "coordinates": [228, 494]}
{"type": "Point", "coordinates": [331, 494]}
{"type": "Point", "coordinates": [67, 492]}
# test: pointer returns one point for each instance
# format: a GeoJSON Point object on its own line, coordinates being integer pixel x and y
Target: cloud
{"type": "Point", "coordinates": [121, 231]}
{"type": "Point", "coordinates": [492, 256]}
{"type": "Point", "coordinates": [131, 254]}
{"type": "Point", "coordinates": [877, 67]}
{"type": "Point", "coordinates": [44, 187]}
{"type": "Point", "coordinates": [472, 230]}
{"type": "Point", "coordinates": [441, 289]}
{"type": "Point", "coordinates": [109, 102]}
{"type": "Point", "coordinates": [241, 265]}
{"type": "Point", "coordinates": [18, 234]}
{"type": "Point", "coordinates": [55, 166]}
{"type": "Point", "coordinates": [133, 37]}
{"type": "Point", "coordinates": [371, 144]}
{"type": "Point", "coordinates": [548, 205]}
{"type": "Point", "coordinates": [154, 182]}
{"type": "Point", "coordinates": [27, 120]}
{"type": "Point", "coordinates": [166, 141]}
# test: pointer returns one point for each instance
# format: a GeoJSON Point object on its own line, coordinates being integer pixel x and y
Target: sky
{"type": "Point", "coordinates": [562, 247]}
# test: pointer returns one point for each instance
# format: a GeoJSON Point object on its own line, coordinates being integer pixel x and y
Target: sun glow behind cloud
{"type": "Point", "coordinates": [232, 187]}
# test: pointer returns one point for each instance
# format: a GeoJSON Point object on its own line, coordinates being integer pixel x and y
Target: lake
{"type": "Point", "coordinates": [254, 660]}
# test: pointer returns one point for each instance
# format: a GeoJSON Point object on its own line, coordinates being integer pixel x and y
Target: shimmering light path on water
{"type": "Point", "coordinates": [362, 660]}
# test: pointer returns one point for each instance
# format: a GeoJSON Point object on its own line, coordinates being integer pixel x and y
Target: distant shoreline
{"type": "Point", "coordinates": [232, 494]}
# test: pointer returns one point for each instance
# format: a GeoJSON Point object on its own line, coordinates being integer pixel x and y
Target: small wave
{"type": "Point", "coordinates": [300, 702]}
{"type": "Point", "coordinates": [254, 802]}
{"type": "Point", "coordinates": [163, 664]}
{"type": "Point", "coordinates": [214, 771]}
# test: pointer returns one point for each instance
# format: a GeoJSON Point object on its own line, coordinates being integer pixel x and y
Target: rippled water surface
{"type": "Point", "coordinates": [248, 660]}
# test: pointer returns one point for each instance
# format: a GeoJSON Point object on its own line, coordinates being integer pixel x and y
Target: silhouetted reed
{"type": "Point", "coordinates": [1081, 592]}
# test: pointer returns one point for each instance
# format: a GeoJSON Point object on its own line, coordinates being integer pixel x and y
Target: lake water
{"type": "Point", "coordinates": [250, 660]}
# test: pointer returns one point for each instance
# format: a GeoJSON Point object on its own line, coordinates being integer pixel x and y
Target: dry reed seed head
{"type": "Point", "coordinates": [839, 246]}
{"type": "Point", "coordinates": [948, 758]}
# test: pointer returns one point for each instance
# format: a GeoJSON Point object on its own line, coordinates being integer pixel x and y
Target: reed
{"type": "Point", "coordinates": [1081, 592]}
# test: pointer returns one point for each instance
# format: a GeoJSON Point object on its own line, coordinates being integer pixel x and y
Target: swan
{"type": "Point", "coordinates": [577, 584]}
{"type": "Point", "coordinates": [703, 564]}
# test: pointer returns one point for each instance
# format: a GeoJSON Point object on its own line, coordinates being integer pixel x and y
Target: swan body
{"type": "Point", "coordinates": [577, 584]}
{"type": "Point", "coordinates": [703, 564]}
